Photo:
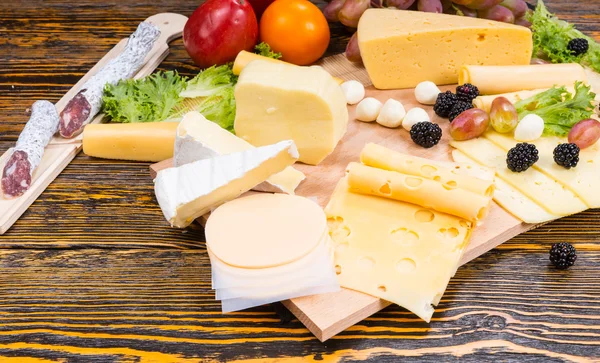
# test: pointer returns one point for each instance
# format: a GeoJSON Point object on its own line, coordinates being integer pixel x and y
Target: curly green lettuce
{"type": "Point", "coordinates": [210, 81]}
{"type": "Point", "coordinates": [552, 35]}
{"type": "Point", "coordinates": [265, 50]}
{"type": "Point", "coordinates": [559, 108]}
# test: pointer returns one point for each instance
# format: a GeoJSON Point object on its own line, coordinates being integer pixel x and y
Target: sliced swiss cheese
{"type": "Point", "coordinates": [279, 101]}
{"type": "Point", "coordinates": [400, 252]}
{"type": "Point", "coordinates": [537, 186]}
{"type": "Point", "coordinates": [192, 190]}
{"type": "Point", "coordinates": [402, 48]}
{"type": "Point", "coordinates": [198, 138]}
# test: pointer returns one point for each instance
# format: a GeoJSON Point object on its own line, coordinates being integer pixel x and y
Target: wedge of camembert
{"type": "Point", "coordinates": [189, 191]}
{"type": "Point", "coordinates": [279, 101]}
{"type": "Point", "coordinates": [402, 48]}
{"type": "Point", "coordinates": [198, 138]}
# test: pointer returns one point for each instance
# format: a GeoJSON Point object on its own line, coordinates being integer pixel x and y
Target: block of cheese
{"type": "Point", "coordinates": [278, 101]}
{"type": "Point", "coordinates": [149, 141]}
{"type": "Point", "coordinates": [512, 200]}
{"type": "Point", "coordinates": [539, 187]}
{"type": "Point", "coordinates": [447, 198]}
{"type": "Point", "coordinates": [192, 190]}
{"type": "Point", "coordinates": [400, 252]}
{"type": "Point", "coordinates": [198, 138]}
{"type": "Point", "coordinates": [583, 180]}
{"type": "Point", "coordinates": [402, 48]}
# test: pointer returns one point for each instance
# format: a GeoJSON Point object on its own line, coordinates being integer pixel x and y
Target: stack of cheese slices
{"type": "Point", "coordinates": [269, 247]}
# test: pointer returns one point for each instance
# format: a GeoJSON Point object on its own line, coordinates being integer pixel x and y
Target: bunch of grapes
{"type": "Point", "coordinates": [348, 12]}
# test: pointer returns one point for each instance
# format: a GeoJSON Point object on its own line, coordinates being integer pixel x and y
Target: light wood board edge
{"type": "Point", "coordinates": [171, 26]}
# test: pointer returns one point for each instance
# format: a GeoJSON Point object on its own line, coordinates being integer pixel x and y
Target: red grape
{"type": "Point", "coordinates": [352, 10]}
{"type": "Point", "coordinates": [482, 4]}
{"type": "Point", "coordinates": [430, 6]}
{"type": "Point", "coordinates": [469, 124]}
{"type": "Point", "coordinates": [400, 4]}
{"type": "Point", "coordinates": [332, 10]}
{"type": "Point", "coordinates": [497, 13]}
{"type": "Point", "coordinates": [585, 133]}
{"type": "Point", "coordinates": [352, 51]}
{"type": "Point", "coordinates": [518, 7]}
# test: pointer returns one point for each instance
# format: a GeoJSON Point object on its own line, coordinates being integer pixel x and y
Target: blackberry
{"type": "Point", "coordinates": [459, 107]}
{"type": "Point", "coordinates": [521, 157]}
{"type": "Point", "coordinates": [578, 46]}
{"type": "Point", "coordinates": [566, 155]}
{"type": "Point", "coordinates": [444, 103]}
{"type": "Point", "coordinates": [425, 134]}
{"type": "Point", "coordinates": [563, 255]}
{"type": "Point", "coordinates": [466, 92]}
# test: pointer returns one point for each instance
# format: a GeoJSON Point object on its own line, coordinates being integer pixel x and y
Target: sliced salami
{"type": "Point", "coordinates": [29, 150]}
{"type": "Point", "coordinates": [87, 103]}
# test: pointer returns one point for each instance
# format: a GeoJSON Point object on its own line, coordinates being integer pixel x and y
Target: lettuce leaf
{"type": "Point", "coordinates": [552, 35]}
{"type": "Point", "coordinates": [559, 108]}
{"type": "Point", "coordinates": [210, 81]}
{"type": "Point", "coordinates": [265, 50]}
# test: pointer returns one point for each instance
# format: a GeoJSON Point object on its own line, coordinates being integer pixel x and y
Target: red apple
{"type": "Point", "coordinates": [218, 30]}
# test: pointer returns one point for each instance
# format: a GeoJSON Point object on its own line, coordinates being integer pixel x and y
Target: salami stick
{"type": "Point", "coordinates": [28, 152]}
{"type": "Point", "coordinates": [87, 103]}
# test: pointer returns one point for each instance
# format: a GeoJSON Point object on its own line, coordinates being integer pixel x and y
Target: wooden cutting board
{"type": "Point", "coordinates": [328, 314]}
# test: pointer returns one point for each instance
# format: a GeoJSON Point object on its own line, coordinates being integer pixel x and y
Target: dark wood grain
{"type": "Point", "coordinates": [93, 273]}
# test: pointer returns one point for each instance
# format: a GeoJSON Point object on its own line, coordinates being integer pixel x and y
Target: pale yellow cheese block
{"type": "Point", "coordinates": [542, 189]}
{"type": "Point", "coordinates": [491, 80]}
{"type": "Point", "coordinates": [442, 197]}
{"type": "Point", "coordinates": [148, 141]}
{"type": "Point", "coordinates": [279, 101]}
{"type": "Point", "coordinates": [402, 48]}
{"type": "Point", "coordinates": [381, 157]}
{"type": "Point", "coordinates": [512, 200]}
{"type": "Point", "coordinates": [400, 252]}
{"type": "Point", "coordinates": [583, 180]}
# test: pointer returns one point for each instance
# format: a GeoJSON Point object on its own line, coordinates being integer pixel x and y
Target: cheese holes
{"type": "Point", "coordinates": [465, 224]}
{"type": "Point", "coordinates": [366, 262]}
{"type": "Point", "coordinates": [385, 189]}
{"type": "Point", "coordinates": [382, 288]}
{"type": "Point", "coordinates": [338, 269]}
{"type": "Point", "coordinates": [427, 170]}
{"type": "Point", "coordinates": [448, 232]}
{"type": "Point", "coordinates": [404, 236]}
{"type": "Point", "coordinates": [413, 182]}
{"type": "Point", "coordinates": [437, 178]}
{"type": "Point", "coordinates": [482, 213]}
{"type": "Point", "coordinates": [481, 37]}
{"type": "Point", "coordinates": [405, 265]}
{"type": "Point", "coordinates": [489, 191]}
{"type": "Point", "coordinates": [424, 216]}
{"type": "Point", "coordinates": [450, 184]}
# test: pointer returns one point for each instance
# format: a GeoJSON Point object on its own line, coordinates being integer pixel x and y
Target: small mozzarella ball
{"type": "Point", "coordinates": [426, 93]}
{"type": "Point", "coordinates": [368, 109]}
{"type": "Point", "coordinates": [414, 115]}
{"type": "Point", "coordinates": [354, 91]}
{"type": "Point", "coordinates": [391, 114]}
{"type": "Point", "coordinates": [529, 128]}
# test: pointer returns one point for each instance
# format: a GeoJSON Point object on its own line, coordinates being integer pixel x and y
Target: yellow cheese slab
{"type": "Point", "coordinates": [583, 180]}
{"type": "Point", "coordinates": [542, 189]}
{"type": "Point", "coordinates": [402, 48]}
{"type": "Point", "coordinates": [279, 101]}
{"type": "Point", "coordinates": [512, 200]}
{"type": "Point", "coordinates": [442, 197]}
{"type": "Point", "coordinates": [396, 251]}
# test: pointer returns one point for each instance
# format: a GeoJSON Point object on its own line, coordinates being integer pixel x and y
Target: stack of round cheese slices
{"type": "Point", "coordinates": [269, 247]}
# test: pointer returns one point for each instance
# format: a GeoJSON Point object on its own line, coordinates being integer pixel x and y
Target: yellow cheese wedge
{"type": "Point", "coordinates": [583, 180]}
{"type": "Point", "coordinates": [400, 252]}
{"type": "Point", "coordinates": [151, 141]}
{"type": "Point", "coordinates": [446, 198]}
{"type": "Point", "coordinates": [402, 48]}
{"type": "Point", "coordinates": [383, 158]}
{"type": "Point", "coordinates": [512, 200]}
{"type": "Point", "coordinates": [278, 101]}
{"type": "Point", "coordinates": [539, 187]}
{"type": "Point", "coordinates": [491, 80]}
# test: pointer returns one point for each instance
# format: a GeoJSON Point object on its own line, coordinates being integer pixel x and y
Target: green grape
{"type": "Point", "coordinates": [503, 115]}
{"type": "Point", "coordinates": [469, 124]}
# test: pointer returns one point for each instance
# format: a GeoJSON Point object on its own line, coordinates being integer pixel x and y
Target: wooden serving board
{"type": "Point", "coordinates": [60, 151]}
{"type": "Point", "coordinates": [328, 314]}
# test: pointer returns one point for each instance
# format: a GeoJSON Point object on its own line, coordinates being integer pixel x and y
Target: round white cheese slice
{"type": "Point", "coordinates": [265, 230]}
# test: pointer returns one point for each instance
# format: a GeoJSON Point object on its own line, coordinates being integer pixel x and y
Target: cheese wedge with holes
{"type": "Point", "coordinates": [279, 101]}
{"type": "Point", "coordinates": [539, 187]}
{"type": "Point", "coordinates": [402, 48]}
{"type": "Point", "coordinates": [400, 252]}
{"type": "Point", "coordinates": [189, 191]}
{"type": "Point", "coordinates": [198, 138]}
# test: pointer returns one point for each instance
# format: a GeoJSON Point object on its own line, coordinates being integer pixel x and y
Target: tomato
{"type": "Point", "coordinates": [295, 28]}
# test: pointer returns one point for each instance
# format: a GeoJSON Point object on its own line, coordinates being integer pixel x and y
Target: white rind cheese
{"type": "Point", "coordinates": [192, 190]}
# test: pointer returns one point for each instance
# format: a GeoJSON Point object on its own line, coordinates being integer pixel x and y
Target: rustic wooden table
{"type": "Point", "coordinates": [93, 273]}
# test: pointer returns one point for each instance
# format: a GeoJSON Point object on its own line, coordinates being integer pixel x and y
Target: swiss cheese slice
{"type": "Point", "coordinates": [401, 48]}
{"type": "Point", "coordinates": [539, 187]}
{"type": "Point", "coordinates": [198, 138]}
{"type": "Point", "coordinates": [396, 251]}
{"type": "Point", "coordinates": [189, 191]}
{"type": "Point", "coordinates": [512, 200]}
